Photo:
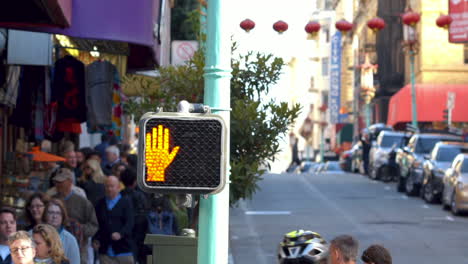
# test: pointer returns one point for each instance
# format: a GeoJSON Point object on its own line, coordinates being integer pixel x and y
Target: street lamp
{"type": "Point", "coordinates": [367, 85]}
{"type": "Point", "coordinates": [368, 70]}
{"type": "Point", "coordinates": [410, 19]}
{"type": "Point", "coordinates": [323, 124]}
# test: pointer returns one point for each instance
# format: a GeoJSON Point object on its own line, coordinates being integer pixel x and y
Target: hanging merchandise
{"type": "Point", "coordinates": [22, 114]}
{"type": "Point", "coordinates": [68, 90]}
{"type": "Point", "coordinates": [99, 94]}
{"type": "Point", "coordinates": [9, 89]}
{"type": "Point", "coordinates": [104, 98]}
{"type": "Point", "coordinates": [117, 110]}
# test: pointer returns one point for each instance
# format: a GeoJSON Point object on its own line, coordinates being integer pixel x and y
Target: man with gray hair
{"type": "Point", "coordinates": [113, 157]}
{"type": "Point", "coordinates": [22, 247]}
{"type": "Point", "coordinates": [343, 250]}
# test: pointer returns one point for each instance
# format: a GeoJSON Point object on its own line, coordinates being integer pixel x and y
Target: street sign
{"type": "Point", "coordinates": [458, 31]}
{"type": "Point", "coordinates": [182, 153]}
{"type": "Point", "coordinates": [182, 51]}
{"type": "Point", "coordinates": [451, 100]}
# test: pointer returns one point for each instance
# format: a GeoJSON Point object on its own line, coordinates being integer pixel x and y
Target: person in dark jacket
{"type": "Point", "coordinates": [116, 219]}
{"type": "Point", "coordinates": [141, 207]}
{"type": "Point", "coordinates": [7, 228]}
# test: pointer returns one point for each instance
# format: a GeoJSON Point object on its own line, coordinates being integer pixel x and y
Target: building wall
{"type": "Point", "coordinates": [438, 61]}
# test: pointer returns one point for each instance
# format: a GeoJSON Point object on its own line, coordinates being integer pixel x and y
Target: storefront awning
{"type": "Point", "coordinates": [119, 20]}
{"type": "Point", "coordinates": [50, 13]}
{"type": "Point", "coordinates": [431, 101]}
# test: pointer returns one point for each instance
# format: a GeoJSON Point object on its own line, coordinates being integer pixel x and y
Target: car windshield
{"type": "Point", "coordinates": [425, 145]}
{"type": "Point", "coordinates": [447, 154]}
{"type": "Point", "coordinates": [464, 168]}
{"type": "Point", "coordinates": [390, 141]}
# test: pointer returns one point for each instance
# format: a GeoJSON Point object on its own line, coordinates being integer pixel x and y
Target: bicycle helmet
{"type": "Point", "coordinates": [302, 247]}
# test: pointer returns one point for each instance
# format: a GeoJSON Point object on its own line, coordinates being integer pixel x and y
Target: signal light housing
{"type": "Point", "coordinates": [182, 153]}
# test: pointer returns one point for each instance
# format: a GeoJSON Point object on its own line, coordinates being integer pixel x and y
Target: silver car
{"type": "Point", "coordinates": [455, 193]}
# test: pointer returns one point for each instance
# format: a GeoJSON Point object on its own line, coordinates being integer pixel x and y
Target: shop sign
{"type": "Point", "coordinates": [458, 31]}
{"type": "Point", "coordinates": [334, 96]}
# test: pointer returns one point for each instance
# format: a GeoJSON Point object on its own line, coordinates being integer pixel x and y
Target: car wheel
{"type": "Point", "coordinates": [384, 174]}
{"type": "Point", "coordinates": [372, 173]}
{"type": "Point", "coordinates": [401, 184]}
{"type": "Point", "coordinates": [453, 205]}
{"type": "Point", "coordinates": [428, 193]}
{"type": "Point", "coordinates": [410, 186]}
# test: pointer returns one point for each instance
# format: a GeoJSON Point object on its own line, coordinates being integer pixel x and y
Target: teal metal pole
{"type": "Point", "coordinates": [214, 209]}
{"type": "Point", "coordinates": [414, 117]}
{"type": "Point", "coordinates": [368, 115]}
{"type": "Point", "coordinates": [322, 144]}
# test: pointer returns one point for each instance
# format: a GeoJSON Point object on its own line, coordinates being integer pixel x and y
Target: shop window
{"type": "Point", "coordinates": [465, 53]}
{"type": "Point", "coordinates": [325, 67]}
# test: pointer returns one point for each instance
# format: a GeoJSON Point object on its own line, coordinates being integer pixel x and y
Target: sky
{"type": "Point", "coordinates": [292, 43]}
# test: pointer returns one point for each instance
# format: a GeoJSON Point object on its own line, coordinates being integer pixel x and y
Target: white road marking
{"type": "Point", "coordinates": [235, 238]}
{"type": "Point", "coordinates": [387, 188]}
{"type": "Point", "coordinates": [425, 206]}
{"type": "Point", "coordinates": [260, 254]}
{"type": "Point", "coordinates": [230, 259]}
{"type": "Point", "coordinates": [449, 218]}
{"type": "Point", "coordinates": [404, 197]}
{"type": "Point", "coordinates": [267, 212]}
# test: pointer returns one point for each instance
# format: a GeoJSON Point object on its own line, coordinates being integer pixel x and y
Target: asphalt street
{"type": "Point", "coordinates": [334, 204]}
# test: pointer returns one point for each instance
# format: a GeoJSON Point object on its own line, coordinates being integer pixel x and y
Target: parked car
{"type": "Point", "coordinates": [411, 158]}
{"type": "Point", "coordinates": [434, 168]}
{"type": "Point", "coordinates": [379, 162]}
{"type": "Point", "coordinates": [375, 129]}
{"type": "Point", "coordinates": [455, 193]}
{"type": "Point", "coordinates": [307, 166]}
{"type": "Point", "coordinates": [332, 167]}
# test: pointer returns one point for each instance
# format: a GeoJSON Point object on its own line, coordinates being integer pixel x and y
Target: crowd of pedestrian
{"type": "Point", "coordinates": [89, 211]}
{"type": "Point", "coordinates": [344, 250]}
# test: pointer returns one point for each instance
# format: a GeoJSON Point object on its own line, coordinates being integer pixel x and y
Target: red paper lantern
{"type": "Point", "coordinates": [411, 18]}
{"type": "Point", "coordinates": [376, 24]}
{"type": "Point", "coordinates": [343, 26]}
{"type": "Point", "coordinates": [280, 26]}
{"type": "Point", "coordinates": [444, 21]}
{"type": "Point", "coordinates": [312, 27]}
{"type": "Point", "coordinates": [247, 25]}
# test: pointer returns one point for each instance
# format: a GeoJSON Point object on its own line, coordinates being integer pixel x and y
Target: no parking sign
{"type": "Point", "coordinates": [182, 51]}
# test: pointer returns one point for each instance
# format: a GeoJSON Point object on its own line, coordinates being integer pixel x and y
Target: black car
{"type": "Point", "coordinates": [410, 159]}
{"type": "Point", "coordinates": [434, 168]}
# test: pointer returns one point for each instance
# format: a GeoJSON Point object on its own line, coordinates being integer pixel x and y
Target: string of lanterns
{"type": "Point", "coordinates": [376, 24]}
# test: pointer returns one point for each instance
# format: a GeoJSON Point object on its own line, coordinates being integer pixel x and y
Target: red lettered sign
{"type": "Point", "coordinates": [458, 10]}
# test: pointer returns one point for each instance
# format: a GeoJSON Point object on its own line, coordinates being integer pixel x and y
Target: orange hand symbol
{"type": "Point", "coordinates": [157, 155]}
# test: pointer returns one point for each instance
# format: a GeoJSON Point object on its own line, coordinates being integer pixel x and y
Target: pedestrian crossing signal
{"type": "Point", "coordinates": [182, 153]}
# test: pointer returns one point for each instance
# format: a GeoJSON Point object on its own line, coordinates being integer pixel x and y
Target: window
{"type": "Point", "coordinates": [464, 166]}
{"type": "Point", "coordinates": [326, 32]}
{"type": "Point", "coordinates": [312, 84]}
{"type": "Point", "coordinates": [325, 67]}
{"type": "Point", "coordinates": [324, 98]}
{"type": "Point", "coordinates": [465, 53]}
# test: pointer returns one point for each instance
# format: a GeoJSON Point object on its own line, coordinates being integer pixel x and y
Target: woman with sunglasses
{"type": "Point", "coordinates": [376, 254]}
{"type": "Point", "coordinates": [49, 248]}
{"type": "Point", "coordinates": [35, 209]}
{"type": "Point", "coordinates": [92, 180]}
{"type": "Point", "coordinates": [55, 214]}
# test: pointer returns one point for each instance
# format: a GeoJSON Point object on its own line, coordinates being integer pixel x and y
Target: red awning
{"type": "Point", "coordinates": [431, 101]}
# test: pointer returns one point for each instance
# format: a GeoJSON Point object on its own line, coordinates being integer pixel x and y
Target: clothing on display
{"type": "Point", "coordinates": [68, 89]}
